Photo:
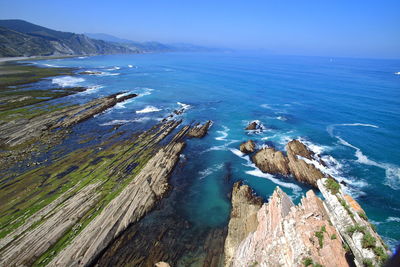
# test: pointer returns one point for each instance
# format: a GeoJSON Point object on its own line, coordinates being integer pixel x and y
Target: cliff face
{"type": "Point", "coordinates": [313, 232]}
{"type": "Point", "coordinates": [288, 235]}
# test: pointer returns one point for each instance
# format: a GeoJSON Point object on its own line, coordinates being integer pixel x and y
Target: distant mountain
{"type": "Point", "coordinates": [21, 38]}
{"type": "Point", "coordinates": [150, 46]}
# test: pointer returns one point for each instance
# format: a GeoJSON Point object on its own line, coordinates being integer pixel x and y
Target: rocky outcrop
{"type": "Point", "coordinates": [18, 132]}
{"type": "Point", "coordinates": [271, 161]}
{"type": "Point", "coordinates": [298, 162]}
{"type": "Point", "coordinates": [199, 131]}
{"type": "Point", "coordinates": [128, 207]}
{"type": "Point", "coordinates": [254, 126]}
{"type": "Point", "coordinates": [286, 235]}
{"type": "Point", "coordinates": [351, 222]}
{"type": "Point", "coordinates": [245, 206]}
{"type": "Point", "coordinates": [247, 147]}
{"type": "Point", "coordinates": [327, 232]}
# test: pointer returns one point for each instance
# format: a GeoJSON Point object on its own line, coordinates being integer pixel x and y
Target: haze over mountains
{"type": "Point", "coordinates": [21, 38]}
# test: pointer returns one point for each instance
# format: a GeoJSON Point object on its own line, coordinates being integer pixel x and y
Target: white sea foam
{"type": "Point", "coordinates": [281, 118]}
{"type": "Point", "coordinates": [67, 81]}
{"type": "Point", "coordinates": [130, 66]}
{"type": "Point", "coordinates": [207, 172]}
{"type": "Point", "coordinates": [223, 147]}
{"type": "Point", "coordinates": [114, 68]}
{"type": "Point", "coordinates": [223, 134]}
{"type": "Point", "coordinates": [392, 171]}
{"type": "Point", "coordinates": [393, 219]}
{"type": "Point", "coordinates": [148, 109]}
{"type": "Point", "coordinates": [266, 106]}
{"type": "Point", "coordinates": [91, 90]}
{"type": "Point", "coordinates": [183, 105]}
{"type": "Point", "coordinates": [397, 73]}
{"type": "Point", "coordinates": [143, 91]}
{"type": "Point", "coordinates": [122, 104]}
{"type": "Point", "coordinates": [51, 65]}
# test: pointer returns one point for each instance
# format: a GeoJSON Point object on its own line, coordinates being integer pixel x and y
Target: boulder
{"type": "Point", "coordinates": [252, 126]}
{"type": "Point", "coordinates": [247, 147]}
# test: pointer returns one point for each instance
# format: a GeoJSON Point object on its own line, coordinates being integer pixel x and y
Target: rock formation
{"type": "Point", "coordinates": [18, 132]}
{"type": "Point", "coordinates": [245, 206]}
{"type": "Point", "coordinates": [199, 131]}
{"type": "Point", "coordinates": [247, 147]}
{"type": "Point", "coordinates": [279, 233]}
{"type": "Point", "coordinates": [254, 125]}
{"type": "Point", "coordinates": [271, 161]}
{"type": "Point", "coordinates": [298, 162]}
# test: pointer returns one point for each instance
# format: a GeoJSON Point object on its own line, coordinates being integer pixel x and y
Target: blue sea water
{"type": "Point", "coordinates": [346, 109]}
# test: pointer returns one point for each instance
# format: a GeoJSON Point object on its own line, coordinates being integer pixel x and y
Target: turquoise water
{"type": "Point", "coordinates": [347, 109]}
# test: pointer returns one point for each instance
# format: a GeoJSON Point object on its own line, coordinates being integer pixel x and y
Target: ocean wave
{"type": "Point", "coordinates": [393, 219]}
{"type": "Point", "coordinates": [82, 57]}
{"type": "Point", "coordinates": [397, 73]}
{"type": "Point", "coordinates": [207, 172]}
{"type": "Point", "coordinates": [148, 109]}
{"type": "Point", "coordinates": [143, 91]}
{"type": "Point", "coordinates": [51, 65]}
{"type": "Point", "coordinates": [223, 134]}
{"type": "Point", "coordinates": [121, 105]}
{"type": "Point", "coordinates": [67, 81]}
{"type": "Point", "coordinates": [183, 105]}
{"type": "Point", "coordinates": [114, 68]}
{"type": "Point", "coordinates": [223, 147]}
{"type": "Point", "coordinates": [281, 118]}
{"type": "Point", "coordinates": [91, 90]}
{"type": "Point", "coordinates": [131, 66]}
{"type": "Point", "coordinates": [392, 172]}
{"type": "Point", "coordinates": [260, 127]}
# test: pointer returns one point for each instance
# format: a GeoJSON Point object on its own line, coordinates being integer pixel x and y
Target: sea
{"type": "Point", "coordinates": [347, 110]}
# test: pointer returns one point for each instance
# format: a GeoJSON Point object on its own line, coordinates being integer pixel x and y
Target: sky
{"type": "Point", "coordinates": [347, 28]}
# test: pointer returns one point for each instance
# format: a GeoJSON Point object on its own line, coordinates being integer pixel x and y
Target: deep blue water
{"type": "Point", "coordinates": [348, 109]}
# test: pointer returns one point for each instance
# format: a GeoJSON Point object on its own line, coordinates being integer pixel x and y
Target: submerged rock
{"type": "Point", "coordinates": [199, 131]}
{"type": "Point", "coordinates": [248, 147]}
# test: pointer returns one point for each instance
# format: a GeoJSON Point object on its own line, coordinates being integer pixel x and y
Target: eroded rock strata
{"type": "Point", "coordinates": [199, 130]}
{"type": "Point", "coordinates": [114, 186]}
{"type": "Point", "coordinates": [297, 162]}
{"type": "Point", "coordinates": [312, 232]}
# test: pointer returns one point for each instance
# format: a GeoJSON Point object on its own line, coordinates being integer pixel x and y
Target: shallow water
{"type": "Point", "coordinates": [347, 109]}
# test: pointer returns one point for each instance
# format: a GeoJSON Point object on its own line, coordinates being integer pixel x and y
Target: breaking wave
{"type": "Point", "coordinates": [223, 134]}
{"type": "Point", "coordinates": [148, 109]}
{"type": "Point", "coordinates": [67, 81]}
{"type": "Point", "coordinates": [207, 172]}
{"type": "Point", "coordinates": [392, 171]}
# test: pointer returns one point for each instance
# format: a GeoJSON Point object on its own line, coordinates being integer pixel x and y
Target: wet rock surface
{"type": "Point", "coordinates": [248, 147]}
{"type": "Point", "coordinates": [199, 131]}
{"type": "Point", "coordinates": [276, 162]}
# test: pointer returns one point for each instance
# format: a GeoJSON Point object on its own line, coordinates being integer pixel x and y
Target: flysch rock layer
{"type": "Point", "coordinates": [17, 132]}
{"type": "Point", "coordinates": [31, 244]}
{"type": "Point", "coordinates": [344, 213]}
{"type": "Point", "coordinates": [285, 234]}
{"type": "Point", "coordinates": [275, 162]}
{"type": "Point", "coordinates": [245, 206]}
{"type": "Point", "coordinates": [199, 131]}
{"type": "Point", "coordinates": [129, 206]}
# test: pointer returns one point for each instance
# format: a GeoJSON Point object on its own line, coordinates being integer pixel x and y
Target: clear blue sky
{"type": "Point", "coordinates": [351, 28]}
